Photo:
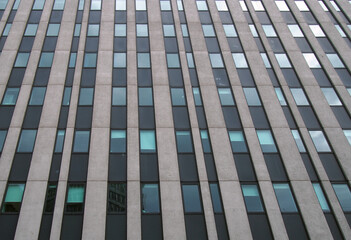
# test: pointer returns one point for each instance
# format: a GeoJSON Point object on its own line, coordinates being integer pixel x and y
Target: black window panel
{"type": "Point", "coordinates": [75, 43]}
{"type": "Point", "coordinates": [11, 17]}
{"type": "Point", "coordinates": [181, 117]}
{"type": "Point", "coordinates": [55, 168]}
{"type": "Point", "coordinates": [117, 170]}
{"type": "Point", "coordinates": [78, 167]}
{"type": "Point", "coordinates": [244, 167]}
{"type": "Point", "coordinates": [42, 77]}
{"type": "Point", "coordinates": [151, 227]}
{"type": "Point", "coordinates": [332, 167]}
{"type": "Point", "coordinates": [94, 16]}
{"type": "Point", "coordinates": [116, 227]}
{"type": "Point", "coordinates": [120, 44]}
{"type": "Point", "coordinates": [119, 77]}
{"type": "Point", "coordinates": [263, 17]}
{"type": "Point", "coordinates": [309, 118]}
{"type": "Point", "coordinates": [88, 77]}
{"type": "Point", "coordinates": [291, 78]}
{"type": "Point", "coordinates": [63, 117]}
{"type": "Point", "coordinates": [92, 44]}
{"type": "Point", "coordinates": [144, 78]}
{"type": "Point", "coordinates": [34, 17]}
{"type": "Point", "coordinates": [56, 16]}
{"type": "Point", "coordinates": [6, 115]}
{"type": "Point", "coordinates": [288, 17]}
{"type": "Point", "coordinates": [193, 78]}
{"type": "Point", "coordinates": [187, 45]}
{"type": "Point", "coordinates": [231, 117]}
{"type": "Point", "coordinates": [79, 17]}
{"type": "Point", "coordinates": [342, 116]}
{"type": "Point", "coordinates": [210, 168]}
{"type": "Point", "coordinates": [321, 78]}
{"type": "Point", "coordinates": [212, 44]}
{"type": "Point", "coordinates": [121, 16]}
{"type": "Point", "coordinates": [344, 76]}
{"type": "Point", "coordinates": [220, 77]}
{"type": "Point", "coordinates": [259, 117]}
{"type": "Point", "coordinates": [225, 17]}
{"type": "Point", "coordinates": [327, 47]}
{"type": "Point", "coordinates": [348, 218]}
{"type": "Point", "coordinates": [32, 117]}
{"type": "Point", "coordinates": [246, 78]}
{"type": "Point", "coordinates": [309, 167]}
{"type": "Point", "coordinates": [140, 17]}
{"type": "Point", "coordinates": [275, 167]}
{"type": "Point", "coordinates": [20, 167]}
{"type": "Point", "coordinates": [148, 167]}
{"type": "Point", "coordinates": [234, 44]}
{"type": "Point", "coordinates": [146, 118]}
{"type": "Point", "coordinates": [167, 17]}
{"type": "Point", "coordinates": [84, 117]}
{"type": "Point", "coordinates": [8, 224]}
{"type": "Point", "coordinates": [201, 119]}
{"type": "Point", "coordinates": [72, 225]}
{"type": "Point", "coordinates": [175, 77]}
{"type": "Point", "coordinates": [142, 44]}
{"type": "Point", "coordinates": [260, 227]}
{"type": "Point", "coordinates": [294, 226]}
{"type": "Point", "coordinates": [195, 226]}
{"type": "Point", "coordinates": [69, 77]}
{"type": "Point", "coordinates": [171, 44]}
{"type": "Point", "coordinates": [187, 167]}
{"type": "Point", "coordinates": [182, 17]}
{"type": "Point", "coordinates": [259, 44]}
{"type": "Point", "coordinates": [26, 44]}
{"type": "Point", "coordinates": [45, 227]}
{"type": "Point", "coordinates": [309, 18]}
{"type": "Point", "coordinates": [119, 117]}
{"type": "Point", "coordinates": [303, 45]}
{"type": "Point", "coordinates": [289, 117]}
{"type": "Point", "coordinates": [333, 226]}
{"type": "Point", "coordinates": [205, 17]}
{"type": "Point", "coordinates": [49, 44]}
{"type": "Point", "coordinates": [248, 17]}
{"type": "Point", "coordinates": [221, 226]}
{"type": "Point", "coordinates": [275, 44]}
{"type": "Point", "coordinates": [273, 77]}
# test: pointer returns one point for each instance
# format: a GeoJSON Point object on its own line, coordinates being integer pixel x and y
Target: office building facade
{"type": "Point", "coordinates": [175, 119]}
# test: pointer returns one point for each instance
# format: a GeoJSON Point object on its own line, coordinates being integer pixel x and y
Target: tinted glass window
{"type": "Point", "coordinates": [252, 97]}
{"type": "Point", "coordinates": [237, 141]}
{"type": "Point", "coordinates": [81, 141]}
{"type": "Point", "coordinates": [75, 198]}
{"type": "Point", "coordinates": [118, 141]}
{"type": "Point", "coordinates": [178, 97]}
{"type": "Point", "coordinates": [321, 198]}
{"type": "Point", "coordinates": [119, 96]}
{"type": "Point", "coordinates": [145, 97]}
{"type": "Point", "coordinates": [26, 142]}
{"type": "Point", "coordinates": [206, 146]}
{"type": "Point", "coordinates": [10, 97]}
{"type": "Point", "coordinates": [59, 140]}
{"type": "Point", "coordinates": [225, 95]}
{"type": "Point", "coordinates": [22, 60]}
{"type": "Point", "coordinates": [90, 60]}
{"type": "Point", "coordinates": [252, 198]}
{"type": "Point", "coordinates": [13, 198]}
{"type": "Point", "coordinates": [150, 198]}
{"type": "Point", "coordinates": [143, 60]}
{"type": "Point", "coordinates": [46, 59]}
{"type": "Point", "coordinates": [86, 96]}
{"type": "Point", "coordinates": [298, 140]}
{"type": "Point", "coordinates": [344, 196]}
{"type": "Point", "coordinates": [285, 198]}
{"type": "Point", "coordinates": [119, 60]}
{"type": "Point", "coordinates": [31, 30]}
{"type": "Point", "coordinates": [66, 96]}
{"type": "Point", "coordinates": [319, 141]}
{"type": "Point", "coordinates": [147, 141]}
{"type": "Point", "coordinates": [2, 138]}
{"type": "Point", "coordinates": [184, 142]}
{"type": "Point", "coordinates": [216, 198]}
{"type": "Point", "coordinates": [191, 198]}
{"type": "Point", "coordinates": [53, 30]}
{"type": "Point", "coordinates": [266, 141]}
{"type": "Point", "coordinates": [117, 198]}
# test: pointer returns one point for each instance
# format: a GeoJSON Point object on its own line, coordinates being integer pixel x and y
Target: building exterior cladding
{"type": "Point", "coordinates": [175, 119]}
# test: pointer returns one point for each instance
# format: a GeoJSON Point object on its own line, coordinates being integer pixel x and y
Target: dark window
{"type": "Point", "coordinates": [117, 198]}
{"type": "Point", "coordinates": [13, 198]}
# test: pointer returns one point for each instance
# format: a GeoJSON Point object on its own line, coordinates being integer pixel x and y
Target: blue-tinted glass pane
{"type": "Point", "coordinates": [150, 198]}
{"type": "Point", "coordinates": [26, 142]}
{"type": "Point", "coordinates": [252, 198]}
{"type": "Point", "coordinates": [90, 60]}
{"type": "Point", "coordinates": [93, 30]}
{"type": "Point", "coordinates": [216, 199]}
{"type": "Point", "coordinates": [66, 96]}
{"type": "Point", "coordinates": [77, 30]}
{"type": "Point", "coordinates": [205, 141]}
{"type": "Point", "coordinates": [72, 60]}
{"type": "Point", "coordinates": [237, 141]}
{"type": "Point", "coordinates": [118, 141]}
{"type": "Point", "coordinates": [143, 60]}
{"type": "Point", "coordinates": [46, 59]}
{"type": "Point", "coordinates": [7, 29]}
{"type": "Point", "coordinates": [319, 141]}
{"type": "Point", "coordinates": [145, 97]}
{"type": "Point", "coordinates": [59, 4]}
{"type": "Point", "coordinates": [285, 198]}
{"type": "Point", "coordinates": [86, 96]}
{"type": "Point", "coordinates": [38, 4]}
{"type": "Point", "coordinates": [344, 196]}
{"type": "Point", "coordinates": [119, 96]}
{"type": "Point", "coordinates": [81, 141]}
{"type": "Point", "coordinates": [191, 198]}
{"type": "Point", "coordinates": [147, 141]}
{"type": "Point", "coordinates": [59, 140]}
{"type": "Point", "coordinates": [95, 5]}
{"type": "Point", "coordinates": [178, 97]}
{"type": "Point", "coordinates": [173, 60]}
{"type": "Point", "coordinates": [252, 97]}
{"type": "Point", "coordinates": [2, 138]}
{"type": "Point", "coordinates": [225, 95]}
{"type": "Point", "coordinates": [119, 60]}
{"type": "Point", "coordinates": [10, 97]}
{"type": "Point", "coordinates": [321, 198]}
{"type": "Point", "coordinates": [22, 60]}
{"type": "Point", "coordinates": [197, 97]}
{"type": "Point", "coordinates": [53, 30]}
{"type": "Point", "coordinates": [298, 140]}
{"type": "Point", "coordinates": [266, 140]}
{"type": "Point", "coordinates": [184, 142]}
{"type": "Point", "coordinates": [120, 30]}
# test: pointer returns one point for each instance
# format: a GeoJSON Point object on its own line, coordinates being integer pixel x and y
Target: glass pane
{"type": "Point", "coordinates": [22, 60]}
{"type": "Point", "coordinates": [168, 30]}
{"type": "Point", "coordinates": [201, 5]}
{"type": "Point", "coordinates": [173, 60]}
{"type": "Point", "coordinates": [205, 141]}
{"type": "Point", "coordinates": [321, 198]}
{"type": "Point", "coordinates": [216, 60]}
{"type": "Point", "coordinates": [140, 5]}
{"type": "Point", "coordinates": [77, 30]}
{"type": "Point", "coordinates": [197, 96]}
{"type": "Point", "coordinates": [81, 4]}
{"type": "Point", "coordinates": [266, 141]}
{"type": "Point", "coordinates": [66, 96]}
{"type": "Point", "coordinates": [90, 60]}
{"type": "Point", "coordinates": [81, 141]}
{"type": "Point", "coordinates": [119, 96]}
{"type": "Point", "coordinates": [216, 199]}
{"type": "Point", "coordinates": [145, 97]}
{"type": "Point", "coordinates": [120, 30]}
{"type": "Point", "coordinates": [257, 5]}
{"type": "Point", "coordinates": [178, 97]}
{"type": "Point", "coordinates": [295, 30]}
{"type": "Point", "coordinates": [184, 142]}
{"type": "Point", "coordinates": [118, 141]}
{"type": "Point", "coordinates": [59, 141]}
{"type": "Point", "coordinates": [165, 5]}
{"type": "Point", "coordinates": [86, 96]}
{"type": "Point", "coordinates": [252, 97]}
{"type": "Point", "coordinates": [72, 60]}
{"type": "Point", "coordinates": [191, 198]}
{"type": "Point", "coordinates": [269, 30]}
{"type": "Point", "coordinates": [38, 4]}
{"type": "Point", "coordinates": [237, 141]}
{"type": "Point", "coordinates": [142, 30]}
{"type": "Point", "coordinates": [37, 96]}
{"type": "Point", "coordinates": [323, 6]}
{"type": "Point", "coordinates": [252, 198]}
{"type": "Point", "coordinates": [243, 6]}
{"type": "Point", "coordinates": [121, 5]}
{"type": "Point", "coordinates": [229, 30]}
{"type": "Point", "coordinates": [317, 31]}
{"type": "Point", "coordinates": [31, 30]}
{"type": "Point", "coordinates": [283, 60]}
{"type": "Point", "coordinates": [6, 29]}
{"type": "Point", "coordinates": [117, 197]}
{"type": "Point", "coordinates": [266, 62]}
{"type": "Point", "coordinates": [208, 31]}
{"type": "Point", "coordinates": [331, 97]}
{"type": "Point", "coordinates": [50, 199]}
{"type": "Point", "coordinates": [298, 140]}
{"type": "Point", "coordinates": [150, 198]}
{"type": "Point", "coordinates": [95, 5]}
{"type": "Point", "coordinates": [26, 141]}
{"type": "Point", "coordinates": [239, 60]}
{"type": "Point", "coordinates": [143, 60]}
{"type": "Point", "coordinates": [253, 30]}
{"type": "Point", "coordinates": [180, 5]}
{"type": "Point", "coordinates": [46, 59]}
{"type": "Point", "coordinates": [299, 97]}
{"type": "Point", "coordinates": [93, 30]}
{"type": "Point", "coordinates": [184, 30]}
{"type": "Point", "coordinates": [147, 141]}
{"type": "Point", "coordinates": [14, 192]}
{"type": "Point", "coordinates": [53, 30]}
{"type": "Point", "coordinates": [2, 138]}
{"type": "Point", "coordinates": [301, 5]}
{"type": "Point", "coordinates": [119, 60]}
{"type": "Point", "coordinates": [282, 6]}
{"type": "Point", "coordinates": [280, 96]}
{"type": "Point", "coordinates": [341, 32]}
{"type": "Point", "coordinates": [225, 95]}
{"type": "Point", "coordinates": [59, 5]}
{"type": "Point", "coordinates": [75, 193]}
{"type": "Point", "coordinates": [311, 60]}
{"type": "Point", "coordinates": [221, 6]}
{"type": "Point", "coordinates": [335, 60]}
{"type": "Point", "coordinates": [16, 4]}
{"type": "Point", "coordinates": [189, 57]}
{"type": "Point", "coordinates": [10, 97]}
{"type": "Point", "coordinates": [319, 141]}
{"type": "Point", "coordinates": [348, 135]}
{"type": "Point", "coordinates": [285, 198]}
{"type": "Point", "coordinates": [344, 196]}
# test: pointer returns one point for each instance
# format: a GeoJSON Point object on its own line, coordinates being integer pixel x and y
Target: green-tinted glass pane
{"type": "Point", "coordinates": [77, 30]}
{"type": "Point", "coordinates": [252, 198]}
{"type": "Point", "coordinates": [6, 29]}
{"type": "Point", "coordinates": [37, 96]}
{"type": "Point", "coordinates": [344, 196]}
{"type": "Point", "coordinates": [184, 142]}
{"type": "Point", "coordinates": [145, 97]}
{"type": "Point", "coordinates": [191, 198]}
{"type": "Point", "coordinates": [10, 97]}
{"type": "Point", "coordinates": [168, 31]}
{"type": "Point", "coordinates": [2, 138]}
{"type": "Point", "coordinates": [81, 141]}
{"type": "Point", "coordinates": [75, 194]}
{"type": "Point", "coordinates": [280, 96]}
{"type": "Point", "coordinates": [266, 140]}
{"type": "Point", "coordinates": [72, 60]}
{"type": "Point", "coordinates": [142, 30]}
{"type": "Point", "coordinates": [285, 198]}
{"type": "Point", "coordinates": [90, 60]}
{"type": "Point", "coordinates": [22, 60]}
{"type": "Point", "coordinates": [173, 60]}
{"type": "Point", "coordinates": [178, 97]}
{"type": "Point", "coordinates": [86, 96]}
{"type": "Point", "coordinates": [119, 60]}
{"type": "Point", "coordinates": [150, 198]}
{"type": "Point", "coordinates": [66, 96]}
{"type": "Point", "coordinates": [319, 141]}
{"type": "Point", "coordinates": [237, 141]}
{"type": "Point", "coordinates": [205, 141]}
{"type": "Point", "coordinates": [147, 141]}
{"type": "Point", "coordinates": [81, 5]}
{"type": "Point", "coordinates": [252, 97]}
{"type": "Point", "coordinates": [197, 97]}
{"type": "Point", "coordinates": [27, 140]}
{"type": "Point", "coordinates": [93, 30]}
{"type": "Point", "coordinates": [321, 198]}
{"type": "Point", "coordinates": [14, 193]}
{"type": "Point", "coordinates": [190, 59]}
{"type": "Point", "coordinates": [46, 59]}
{"type": "Point", "coordinates": [31, 30]}
{"type": "Point", "coordinates": [38, 4]}
{"type": "Point", "coordinates": [50, 199]}
{"type": "Point", "coordinates": [59, 5]}
{"type": "Point", "coordinates": [298, 140]}
{"type": "Point", "coordinates": [229, 30]}
{"type": "Point", "coordinates": [118, 141]}
{"type": "Point", "coordinates": [216, 198]}
{"type": "Point", "coordinates": [120, 30]}
{"type": "Point", "coordinates": [143, 60]}
{"type": "Point", "coordinates": [225, 95]}
{"type": "Point", "coordinates": [53, 30]}
{"type": "Point", "coordinates": [119, 96]}
{"type": "Point", "coordinates": [216, 60]}
{"type": "Point", "coordinates": [59, 140]}
{"type": "Point", "coordinates": [208, 31]}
